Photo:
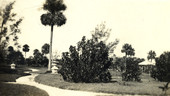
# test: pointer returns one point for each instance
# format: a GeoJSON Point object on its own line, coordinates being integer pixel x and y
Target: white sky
{"type": "Point", "coordinates": [145, 24]}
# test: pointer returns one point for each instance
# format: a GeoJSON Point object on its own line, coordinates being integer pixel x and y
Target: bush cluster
{"type": "Point", "coordinates": [37, 61]}
{"type": "Point", "coordinates": [162, 70]}
{"type": "Point", "coordinates": [15, 57]}
{"type": "Point", "coordinates": [89, 62]}
{"type": "Point", "coordinates": [132, 72]}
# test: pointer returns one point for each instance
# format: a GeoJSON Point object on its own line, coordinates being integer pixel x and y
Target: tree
{"type": "Point", "coordinates": [15, 57]}
{"type": "Point", "coordinates": [45, 48]}
{"type": "Point", "coordinates": [25, 49]}
{"type": "Point", "coordinates": [119, 64]}
{"type": "Point", "coordinates": [9, 28]}
{"type": "Point", "coordinates": [128, 50]}
{"type": "Point", "coordinates": [54, 16]}
{"type": "Point", "coordinates": [10, 49]}
{"type": "Point", "coordinates": [132, 72]}
{"type": "Point", "coordinates": [151, 55]}
{"type": "Point", "coordinates": [36, 51]}
{"type": "Point", "coordinates": [89, 61]}
{"type": "Point", "coordinates": [39, 59]}
{"type": "Point", "coordinates": [163, 67]}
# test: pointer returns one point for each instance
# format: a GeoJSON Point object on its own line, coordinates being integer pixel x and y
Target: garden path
{"type": "Point", "coordinates": [53, 91]}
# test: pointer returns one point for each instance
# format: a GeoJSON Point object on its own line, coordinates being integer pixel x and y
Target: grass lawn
{"type": "Point", "coordinates": [148, 86]}
{"type": "Point", "coordinates": [9, 75]}
{"type": "Point", "coordinates": [7, 89]}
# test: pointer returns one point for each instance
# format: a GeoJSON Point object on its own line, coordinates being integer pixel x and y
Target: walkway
{"type": "Point", "coordinates": [53, 91]}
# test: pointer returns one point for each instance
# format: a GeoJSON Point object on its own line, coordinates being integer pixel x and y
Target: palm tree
{"type": "Point", "coordinates": [151, 55]}
{"type": "Point", "coordinates": [54, 16]}
{"type": "Point", "coordinates": [128, 50]}
{"type": "Point", "coordinates": [25, 49]}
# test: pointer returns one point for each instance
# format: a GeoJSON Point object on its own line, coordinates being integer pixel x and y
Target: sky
{"type": "Point", "coordinates": [145, 24]}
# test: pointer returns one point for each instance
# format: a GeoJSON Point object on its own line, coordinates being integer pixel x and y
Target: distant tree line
{"type": "Point", "coordinates": [39, 59]}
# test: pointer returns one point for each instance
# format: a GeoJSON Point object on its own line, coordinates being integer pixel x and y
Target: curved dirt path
{"type": "Point", "coordinates": [53, 91]}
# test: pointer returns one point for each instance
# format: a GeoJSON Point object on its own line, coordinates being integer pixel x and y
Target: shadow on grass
{"type": "Point", "coordinates": [10, 75]}
{"type": "Point", "coordinates": [20, 90]}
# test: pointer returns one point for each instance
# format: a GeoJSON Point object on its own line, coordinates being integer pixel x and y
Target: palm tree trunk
{"type": "Point", "coordinates": [25, 55]}
{"type": "Point", "coordinates": [51, 39]}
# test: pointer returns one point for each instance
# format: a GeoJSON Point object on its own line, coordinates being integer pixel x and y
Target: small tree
{"type": "Point", "coordinates": [15, 57]}
{"type": "Point", "coordinates": [162, 72]}
{"type": "Point", "coordinates": [151, 55]}
{"type": "Point", "coordinates": [45, 48]}
{"type": "Point", "coordinates": [25, 49]}
{"type": "Point", "coordinates": [128, 50]}
{"type": "Point", "coordinates": [119, 64]}
{"type": "Point", "coordinates": [39, 59]}
{"type": "Point", "coordinates": [132, 72]}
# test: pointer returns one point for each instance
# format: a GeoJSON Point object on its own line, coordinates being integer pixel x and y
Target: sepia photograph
{"type": "Point", "coordinates": [84, 47]}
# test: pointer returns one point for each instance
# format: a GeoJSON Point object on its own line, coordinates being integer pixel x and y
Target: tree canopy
{"type": "Point", "coordinates": [128, 50]}
{"type": "Point", "coordinates": [151, 55]}
{"type": "Point", "coordinates": [45, 48]}
{"type": "Point", "coordinates": [25, 49]}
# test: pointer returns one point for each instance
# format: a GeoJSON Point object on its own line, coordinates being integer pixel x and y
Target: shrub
{"type": "Point", "coordinates": [132, 72]}
{"type": "Point", "coordinates": [89, 62]}
{"type": "Point", "coordinates": [119, 64]}
{"type": "Point", "coordinates": [15, 57]}
{"type": "Point", "coordinates": [39, 59]}
{"type": "Point", "coordinates": [162, 71]}
{"type": "Point", "coordinates": [154, 73]}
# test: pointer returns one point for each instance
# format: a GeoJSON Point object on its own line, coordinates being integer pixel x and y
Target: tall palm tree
{"type": "Point", "coordinates": [151, 55]}
{"type": "Point", "coordinates": [25, 49]}
{"type": "Point", "coordinates": [54, 16]}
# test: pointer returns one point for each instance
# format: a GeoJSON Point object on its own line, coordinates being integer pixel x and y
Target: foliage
{"type": "Point", "coordinates": [119, 64]}
{"type": "Point", "coordinates": [30, 61]}
{"type": "Point", "coordinates": [132, 72]}
{"type": "Point", "coordinates": [25, 49]}
{"type": "Point", "coordinates": [10, 49]}
{"type": "Point", "coordinates": [54, 16]}
{"type": "Point", "coordinates": [101, 33]}
{"type": "Point", "coordinates": [15, 57]}
{"type": "Point", "coordinates": [9, 29]}
{"type": "Point", "coordinates": [162, 72]}
{"type": "Point", "coordinates": [154, 73]}
{"type": "Point", "coordinates": [89, 61]}
{"type": "Point", "coordinates": [39, 59]}
{"type": "Point", "coordinates": [45, 48]}
{"type": "Point", "coordinates": [128, 50]}
{"type": "Point", "coordinates": [151, 55]}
